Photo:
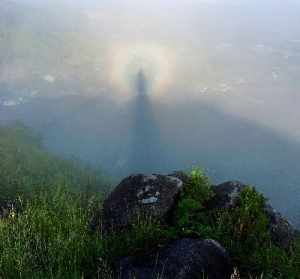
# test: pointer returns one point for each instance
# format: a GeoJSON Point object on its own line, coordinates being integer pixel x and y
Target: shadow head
{"type": "Point", "coordinates": [141, 83]}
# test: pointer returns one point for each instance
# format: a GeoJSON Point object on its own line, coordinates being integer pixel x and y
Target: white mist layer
{"type": "Point", "coordinates": [235, 55]}
{"type": "Point", "coordinates": [126, 60]}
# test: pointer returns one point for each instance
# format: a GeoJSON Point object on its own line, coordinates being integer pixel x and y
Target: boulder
{"type": "Point", "coordinates": [227, 195]}
{"type": "Point", "coordinates": [282, 232]}
{"type": "Point", "coordinates": [153, 196]}
{"type": "Point", "coordinates": [183, 259]}
{"type": "Point", "coordinates": [183, 176]}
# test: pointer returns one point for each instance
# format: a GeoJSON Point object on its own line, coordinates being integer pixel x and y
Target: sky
{"type": "Point", "coordinates": [223, 83]}
{"type": "Point", "coordinates": [241, 56]}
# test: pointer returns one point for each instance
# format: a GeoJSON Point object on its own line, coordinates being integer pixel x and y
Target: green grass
{"type": "Point", "coordinates": [145, 235]}
{"type": "Point", "coordinates": [243, 231]}
{"type": "Point", "coordinates": [50, 239]}
{"type": "Point", "coordinates": [25, 167]}
{"type": "Point", "coordinates": [49, 235]}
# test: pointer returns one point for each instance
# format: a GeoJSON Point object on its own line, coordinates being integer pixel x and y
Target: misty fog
{"type": "Point", "coordinates": [157, 86]}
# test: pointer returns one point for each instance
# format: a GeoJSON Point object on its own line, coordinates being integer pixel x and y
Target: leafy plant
{"type": "Point", "coordinates": [146, 234]}
{"type": "Point", "coordinates": [243, 230]}
{"type": "Point", "coordinates": [196, 193]}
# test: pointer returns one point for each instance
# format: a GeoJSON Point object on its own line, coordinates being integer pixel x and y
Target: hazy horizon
{"type": "Point", "coordinates": [223, 80]}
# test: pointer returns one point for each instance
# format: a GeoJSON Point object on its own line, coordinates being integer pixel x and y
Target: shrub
{"type": "Point", "coordinates": [196, 193]}
{"type": "Point", "coordinates": [146, 234]}
{"type": "Point", "coordinates": [243, 230]}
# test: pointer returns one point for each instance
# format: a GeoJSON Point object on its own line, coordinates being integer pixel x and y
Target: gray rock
{"type": "Point", "coordinates": [182, 176]}
{"type": "Point", "coordinates": [227, 195]}
{"type": "Point", "coordinates": [282, 232]}
{"type": "Point", "coordinates": [139, 195]}
{"type": "Point", "coordinates": [183, 259]}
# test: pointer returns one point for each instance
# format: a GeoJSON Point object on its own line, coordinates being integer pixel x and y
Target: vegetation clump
{"type": "Point", "coordinates": [243, 230]}
{"type": "Point", "coordinates": [50, 237]}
